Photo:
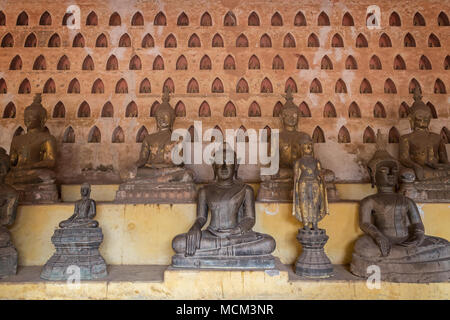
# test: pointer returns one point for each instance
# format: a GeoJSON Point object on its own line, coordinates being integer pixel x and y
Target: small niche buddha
{"type": "Point", "coordinates": [279, 187]}
{"type": "Point", "coordinates": [33, 158]}
{"type": "Point", "coordinates": [85, 211]}
{"type": "Point", "coordinates": [394, 238]}
{"type": "Point", "coordinates": [158, 179]}
{"type": "Point", "coordinates": [228, 241]}
{"type": "Point", "coordinates": [423, 153]}
{"type": "Point", "coordinates": [8, 208]}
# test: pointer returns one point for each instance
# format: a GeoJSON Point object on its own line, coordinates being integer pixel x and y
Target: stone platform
{"type": "Point", "coordinates": [163, 282]}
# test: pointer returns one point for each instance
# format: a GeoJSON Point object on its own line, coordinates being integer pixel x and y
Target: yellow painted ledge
{"type": "Point", "coordinates": [153, 282]}
{"type": "Point", "coordinates": [142, 234]}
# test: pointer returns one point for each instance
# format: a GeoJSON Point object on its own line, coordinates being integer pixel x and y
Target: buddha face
{"type": "Point", "coordinates": [85, 191]}
{"type": "Point", "coordinates": [163, 120]}
{"type": "Point", "coordinates": [289, 117]}
{"type": "Point", "coordinates": [34, 120]}
{"type": "Point", "coordinates": [422, 119]}
{"type": "Point", "coordinates": [307, 148]}
{"type": "Point", "coordinates": [387, 175]}
{"type": "Point", "coordinates": [225, 168]}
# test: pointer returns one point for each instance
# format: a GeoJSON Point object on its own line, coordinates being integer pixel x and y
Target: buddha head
{"type": "Point", "coordinates": [165, 115]}
{"type": "Point", "coordinates": [4, 164]}
{"type": "Point", "coordinates": [289, 113]}
{"type": "Point", "coordinates": [383, 168]}
{"type": "Point", "coordinates": [307, 147]}
{"type": "Point", "coordinates": [226, 164]}
{"type": "Point", "coordinates": [419, 113]}
{"type": "Point", "coordinates": [85, 190]}
{"type": "Point", "coordinates": [35, 115]}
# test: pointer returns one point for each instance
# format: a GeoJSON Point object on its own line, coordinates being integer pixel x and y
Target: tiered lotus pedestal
{"type": "Point", "coordinates": [8, 254]}
{"type": "Point", "coordinates": [76, 248]}
{"type": "Point", "coordinates": [313, 262]}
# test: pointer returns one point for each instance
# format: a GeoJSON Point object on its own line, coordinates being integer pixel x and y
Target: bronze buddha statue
{"type": "Point", "coordinates": [228, 241]}
{"type": "Point", "coordinates": [77, 243]}
{"type": "Point", "coordinates": [279, 187]}
{"type": "Point", "coordinates": [85, 211]}
{"type": "Point", "coordinates": [424, 155]}
{"type": "Point", "coordinates": [9, 199]}
{"type": "Point", "coordinates": [158, 179]}
{"type": "Point", "coordinates": [395, 239]}
{"type": "Point", "coordinates": [33, 158]}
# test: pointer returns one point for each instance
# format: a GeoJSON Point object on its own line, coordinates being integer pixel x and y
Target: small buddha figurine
{"type": "Point", "coordinates": [310, 194]}
{"type": "Point", "coordinates": [77, 242]}
{"type": "Point", "coordinates": [423, 153]}
{"type": "Point", "coordinates": [85, 211]}
{"type": "Point", "coordinates": [9, 199]}
{"type": "Point", "coordinates": [395, 239]}
{"type": "Point", "coordinates": [158, 179]}
{"type": "Point", "coordinates": [278, 187]}
{"type": "Point", "coordinates": [228, 241]}
{"type": "Point", "coordinates": [33, 158]}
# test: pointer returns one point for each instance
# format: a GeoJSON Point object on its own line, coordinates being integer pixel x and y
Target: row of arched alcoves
{"type": "Point", "coordinates": [135, 63]}
{"type": "Point", "coordinates": [194, 41]}
{"type": "Point", "coordinates": [318, 136]}
{"type": "Point", "coordinates": [229, 19]}
{"type": "Point", "coordinates": [229, 110]}
{"type": "Point", "coordinates": [242, 86]}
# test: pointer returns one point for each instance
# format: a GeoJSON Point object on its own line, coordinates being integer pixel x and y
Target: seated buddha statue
{"type": "Point", "coordinates": [424, 154]}
{"type": "Point", "coordinates": [8, 208]}
{"type": "Point", "coordinates": [394, 236]}
{"type": "Point", "coordinates": [228, 241]}
{"type": "Point", "coordinates": [33, 158]}
{"type": "Point", "coordinates": [157, 178]}
{"type": "Point", "coordinates": [85, 211]}
{"type": "Point", "coordinates": [279, 187]}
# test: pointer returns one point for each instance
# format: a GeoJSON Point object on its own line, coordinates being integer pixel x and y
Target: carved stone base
{"type": "Point", "coordinates": [243, 262]}
{"type": "Point", "coordinates": [8, 254]}
{"type": "Point", "coordinates": [401, 271]}
{"type": "Point", "coordinates": [37, 193]}
{"type": "Point", "coordinates": [275, 191]}
{"type": "Point", "coordinates": [76, 247]}
{"type": "Point", "coordinates": [313, 262]}
{"type": "Point", "coordinates": [433, 192]}
{"type": "Point", "coordinates": [172, 192]}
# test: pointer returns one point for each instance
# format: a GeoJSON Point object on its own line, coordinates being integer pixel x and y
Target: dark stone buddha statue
{"type": "Point", "coordinates": [228, 241]}
{"type": "Point", "coordinates": [394, 238]}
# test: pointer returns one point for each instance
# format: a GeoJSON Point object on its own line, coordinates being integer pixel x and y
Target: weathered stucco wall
{"type": "Point", "coordinates": [346, 159]}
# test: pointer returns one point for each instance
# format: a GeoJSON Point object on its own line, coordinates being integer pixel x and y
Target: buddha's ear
{"type": "Point", "coordinates": [236, 169]}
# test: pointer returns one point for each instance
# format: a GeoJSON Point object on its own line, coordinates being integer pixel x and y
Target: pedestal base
{"type": "Point", "coordinates": [252, 262]}
{"type": "Point", "coordinates": [8, 261]}
{"type": "Point", "coordinates": [313, 262]}
{"type": "Point", "coordinates": [275, 191]}
{"type": "Point", "coordinates": [172, 192]}
{"type": "Point", "coordinates": [76, 248]}
{"type": "Point", "coordinates": [37, 193]}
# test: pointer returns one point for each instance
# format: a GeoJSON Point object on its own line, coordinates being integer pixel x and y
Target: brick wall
{"type": "Point", "coordinates": [364, 75]}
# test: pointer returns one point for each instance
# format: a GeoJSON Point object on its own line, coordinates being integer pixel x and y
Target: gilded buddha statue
{"type": "Point", "coordinates": [9, 199]}
{"type": "Point", "coordinates": [394, 238]}
{"type": "Point", "coordinates": [33, 158]}
{"type": "Point", "coordinates": [158, 179]}
{"type": "Point", "coordinates": [423, 154]}
{"type": "Point", "coordinates": [279, 187]}
{"type": "Point", "coordinates": [228, 241]}
{"type": "Point", "coordinates": [310, 205]}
